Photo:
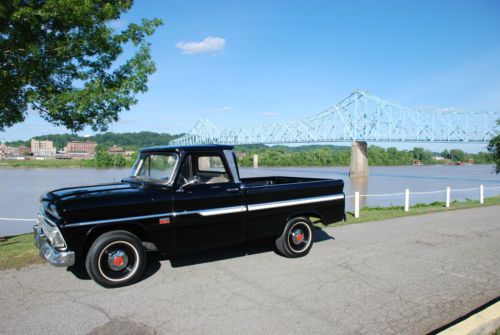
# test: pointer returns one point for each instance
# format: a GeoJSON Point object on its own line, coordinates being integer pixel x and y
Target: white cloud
{"type": "Point", "coordinates": [209, 44]}
{"type": "Point", "coordinates": [269, 114]}
{"type": "Point", "coordinates": [222, 110]}
{"type": "Point", "coordinates": [130, 121]}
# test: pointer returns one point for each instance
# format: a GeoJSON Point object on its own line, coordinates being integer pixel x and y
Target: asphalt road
{"type": "Point", "coordinates": [401, 276]}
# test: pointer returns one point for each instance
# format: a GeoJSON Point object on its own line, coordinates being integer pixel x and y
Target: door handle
{"type": "Point", "coordinates": [233, 190]}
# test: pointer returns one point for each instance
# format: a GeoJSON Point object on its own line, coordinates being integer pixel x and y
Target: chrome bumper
{"type": "Point", "coordinates": [51, 254]}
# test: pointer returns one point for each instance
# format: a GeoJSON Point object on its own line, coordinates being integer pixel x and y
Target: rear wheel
{"type": "Point", "coordinates": [297, 238]}
{"type": "Point", "coordinates": [115, 259]}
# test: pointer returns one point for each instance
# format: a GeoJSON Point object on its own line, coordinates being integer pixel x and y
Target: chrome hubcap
{"type": "Point", "coordinates": [117, 260]}
{"type": "Point", "coordinates": [298, 236]}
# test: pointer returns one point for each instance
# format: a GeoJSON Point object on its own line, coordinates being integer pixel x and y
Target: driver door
{"type": "Point", "coordinates": [210, 208]}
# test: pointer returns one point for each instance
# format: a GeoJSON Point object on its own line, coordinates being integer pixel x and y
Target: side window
{"type": "Point", "coordinates": [211, 170]}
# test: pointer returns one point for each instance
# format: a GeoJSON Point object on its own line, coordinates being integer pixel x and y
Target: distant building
{"type": "Point", "coordinates": [116, 150]}
{"type": "Point", "coordinates": [76, 154]}
{"type": "Point", "coordinates": [3, 151]}
{"type": "Point", "coordinates": [79, 146]}
{"type": "Point", "coordinates": [12, 151]}
{"type": "Point", "coordinates": [80, 149]}
{"type": "Point", "coordinates": [24, 150]}
{"type": "Point", "coordinates": [42, 148]}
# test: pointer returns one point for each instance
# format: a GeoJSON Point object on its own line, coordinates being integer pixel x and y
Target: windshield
{"type": "Point", "coordinates": [155, 168]}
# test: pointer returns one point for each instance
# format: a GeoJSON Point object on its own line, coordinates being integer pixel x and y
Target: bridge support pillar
{"type": "Point", "coordinates": [359, 159]}
{"type": "Point", "coordinates": [255, 161]}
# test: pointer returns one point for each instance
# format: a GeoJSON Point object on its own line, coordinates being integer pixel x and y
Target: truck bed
{"type": "Point", "coordinates": [272, 200]}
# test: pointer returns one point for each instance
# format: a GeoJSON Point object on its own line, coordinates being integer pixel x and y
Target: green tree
{"type": "Point", "coordinates": [127, 140]}
{"type": "Point", "coordinates": [102, 157]}
{"type": "Point", "coordinates": [422, 155]}
{"type": "Point", "coordinates": [119, 161]}
{"type": "Point", "coordinates": [457, 155]}
{"type": "Point", "coordinates": [58, 58]}
{"type": "Point", "coordinates": [494, 149]}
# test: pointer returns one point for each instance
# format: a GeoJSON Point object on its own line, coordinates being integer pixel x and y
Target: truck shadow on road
{"type": "Point", "coordinates": [155, 260]}
{"type": "Point", "coordinates": [234, 251]}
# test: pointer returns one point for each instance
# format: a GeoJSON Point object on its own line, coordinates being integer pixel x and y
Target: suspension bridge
{"type": "Point", "coordinates": [359, 118]}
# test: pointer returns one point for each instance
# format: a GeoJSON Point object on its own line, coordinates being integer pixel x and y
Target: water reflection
{"type": "Point", "coordinates": [359, 184]}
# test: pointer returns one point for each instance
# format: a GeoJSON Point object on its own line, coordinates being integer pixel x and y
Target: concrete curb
{"type": "Point", "coordinates": [482, 323]}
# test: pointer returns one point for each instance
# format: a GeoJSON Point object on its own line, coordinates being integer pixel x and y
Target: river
{"type": "Point", "coordinates": [20, 188]}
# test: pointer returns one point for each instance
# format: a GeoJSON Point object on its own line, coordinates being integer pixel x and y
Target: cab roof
{"type": "Point", "coordinates": [198, 147]}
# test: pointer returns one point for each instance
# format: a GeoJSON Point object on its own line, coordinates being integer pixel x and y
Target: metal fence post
{"type": "Point", "coordinates": [481, 194]}
{"type": "Point", "coordinates": [448, 196]}
{"type": "Point", "coordinates": [356, 205]}
{"type": "Point", "coordinates": [407, 200]}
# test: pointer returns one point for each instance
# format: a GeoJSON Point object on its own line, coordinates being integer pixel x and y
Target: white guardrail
{"type": "Point", "coordinates": [356, 197]}
{"type": "Point", "coordinates": [407, 193]}
{"type": "Point", "coordinates": [14, 219]}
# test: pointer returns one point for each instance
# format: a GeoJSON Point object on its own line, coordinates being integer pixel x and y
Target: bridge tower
{"type": "Point", "coordinates": [359, 160]}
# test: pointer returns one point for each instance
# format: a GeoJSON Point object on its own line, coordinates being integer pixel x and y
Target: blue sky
{"type": "Point", "coordinates": [269, 61]}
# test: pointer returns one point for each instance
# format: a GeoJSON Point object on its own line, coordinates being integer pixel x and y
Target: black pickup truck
{"type": "Point", "coordinates": [179, 199]}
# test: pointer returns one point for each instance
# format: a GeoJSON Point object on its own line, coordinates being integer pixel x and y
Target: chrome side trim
{"type": "Point", "coordinates": [224, 210]}
{"type": "Point", "coordinates": [219, 211]}
{"type": "Point", "coordinates": [142, 217]}
{"type": "Point", "coordinates": [294, 202]}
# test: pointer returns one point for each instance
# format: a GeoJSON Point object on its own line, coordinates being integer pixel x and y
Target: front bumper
{"type": "Point", "coordinates": [51, 254]}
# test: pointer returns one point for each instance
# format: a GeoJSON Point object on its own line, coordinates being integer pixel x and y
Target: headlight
{"type": "Point", "coordinates": [52, 233]}
{"type": "Point", "coordinates": [50, 208]}
{"type": "Point", "coordinates": [53, 210]}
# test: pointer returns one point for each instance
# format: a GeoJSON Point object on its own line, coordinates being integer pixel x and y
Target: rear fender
{"type": "Point", "coordinates": [307, 214]}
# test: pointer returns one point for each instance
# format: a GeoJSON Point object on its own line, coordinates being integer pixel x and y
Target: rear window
{"type": "Point", "coordinates": [211, 164]}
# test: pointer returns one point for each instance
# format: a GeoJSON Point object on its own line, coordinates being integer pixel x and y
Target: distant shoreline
{"type": "Point", "coordinates": [26, 165]}
{"type": "Point", "coordinates": [55, 164]}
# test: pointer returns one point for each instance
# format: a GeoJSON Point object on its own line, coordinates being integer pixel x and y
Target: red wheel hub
{"type": "Point", "coordinates": [118, 261]}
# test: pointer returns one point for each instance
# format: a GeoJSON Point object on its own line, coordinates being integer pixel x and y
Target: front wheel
{"type": "Point", "coordinates": [297, 238]}
{"type": "Point", "coordinates": [116, 258]}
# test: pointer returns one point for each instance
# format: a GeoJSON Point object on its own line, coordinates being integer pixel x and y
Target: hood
{"type": "Point", "coordinates": [82, 192]}
{"type": "Point", "coordinates": [106, 201]}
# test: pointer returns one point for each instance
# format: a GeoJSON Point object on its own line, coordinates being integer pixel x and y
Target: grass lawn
{"type": "Point", "coordinates": [383, 213]}
{"type": "Point", "coordinates": [19, 251]}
